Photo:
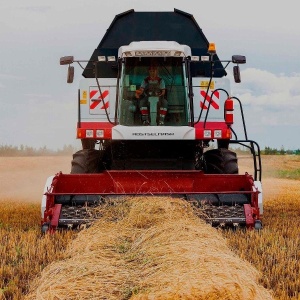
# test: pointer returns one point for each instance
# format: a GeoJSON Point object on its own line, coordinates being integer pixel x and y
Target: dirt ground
{"type": "Point", "coordinates": [24, 177]}
{"type": "Point", "coordinates": [270, 164]}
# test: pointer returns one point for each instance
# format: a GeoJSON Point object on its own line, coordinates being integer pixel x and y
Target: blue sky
{"type": "Point", "coordinates": [38, 107]}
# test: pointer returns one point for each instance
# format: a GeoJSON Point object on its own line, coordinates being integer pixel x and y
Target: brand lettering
{"type": "Point", "coordinates": [152, 134]}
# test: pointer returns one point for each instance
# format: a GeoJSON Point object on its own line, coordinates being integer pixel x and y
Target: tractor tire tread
{"type": "Point", "coordinates": [220, 161]}
{"type": "Point", "coordinates": [86, 161]}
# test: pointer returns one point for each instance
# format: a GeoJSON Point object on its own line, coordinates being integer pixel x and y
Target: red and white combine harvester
{"type": "Point", "coordinates": [153, 98]}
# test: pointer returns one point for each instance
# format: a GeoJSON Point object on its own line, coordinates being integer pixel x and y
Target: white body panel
{"type": "Point", "coordinates": [258, 186]}
{"type": "Point", "coordinates": [147, 48]}
{"type": "Point", "coordinates": [216, 109]}
{"type": "Point", "coordinates": [44, 198]}
{"type": "Point", "coordinates": [120, 132]}
{"type": "Point", "coordinates": [92, 108]}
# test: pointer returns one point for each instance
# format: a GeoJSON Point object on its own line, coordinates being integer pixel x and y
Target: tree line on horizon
{"type": "Point", "coordinates": [281, 151]}
{"type": "Point", "coordinates": [22, 150]}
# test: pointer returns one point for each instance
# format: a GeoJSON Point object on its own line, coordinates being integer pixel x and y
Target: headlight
{"type": "Point", "coordinates": [89, 133]}
{"type": "Point", "coordinates": [217, 133]}
{"type": "Point", "coordinates": [207, 133]}
{"type": "Point", "coordinates": [99, 133]}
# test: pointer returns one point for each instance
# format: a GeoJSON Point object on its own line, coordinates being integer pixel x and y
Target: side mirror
{"type": "Point", "coordinates": [238, 59]}
{"type": "Point", "coordinates": [70, 77]}
{"type": "Point", "coordinates": [66, 60]}
{"type": "Point", "coordinates": [236, 74]}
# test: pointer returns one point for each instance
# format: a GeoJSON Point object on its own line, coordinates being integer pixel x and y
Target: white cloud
{"type": "Point", "coordinates": [269, 91]}
{"type": "Point", "coordinates": [271, 107]}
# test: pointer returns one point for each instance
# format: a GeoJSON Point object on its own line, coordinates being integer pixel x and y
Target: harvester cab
{"type": "Point", "coordinates": [164, 94]}
{"type": "Point", "coordinates": [149, 106]}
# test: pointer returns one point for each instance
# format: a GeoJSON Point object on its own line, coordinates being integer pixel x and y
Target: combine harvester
{"type": "Point", "coordinates": [156, 140]}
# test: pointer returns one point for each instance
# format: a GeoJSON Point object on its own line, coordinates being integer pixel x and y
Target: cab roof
{"type": "Point", "coordinates": [131, 26]}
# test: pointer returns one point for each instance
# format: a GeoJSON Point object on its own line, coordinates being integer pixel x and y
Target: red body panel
{"type": "Point", "coordinates": [150, 182]}
{"type": "Point", "coordinates": [56, 213]}
{"type": "Point", "coordinates": [131, 182]}
{"type": "Point", "coordinates": [105, 126]}
{"type": "Point", "coordinates": [199, 130]}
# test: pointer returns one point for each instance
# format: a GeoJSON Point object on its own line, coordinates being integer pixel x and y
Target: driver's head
{"type": "Point", "coordinates": [153, 71]}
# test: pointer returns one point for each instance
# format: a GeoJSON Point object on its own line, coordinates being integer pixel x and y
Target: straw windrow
{"type": "Point", "coordinates": [149, 248]}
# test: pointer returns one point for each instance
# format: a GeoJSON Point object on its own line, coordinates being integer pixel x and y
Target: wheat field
{"type": "Point", "coordinates": [26, 256]}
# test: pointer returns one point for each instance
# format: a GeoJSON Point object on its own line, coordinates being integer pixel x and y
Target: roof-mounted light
{"type": "Point", "coordinates": [205, 58]}
{"type": "Point", "coordinates": [212, 48]}
{"type": "Point", "coordinates": [111, 58]}
{"type": "Point", "coordinates": [101, 58]}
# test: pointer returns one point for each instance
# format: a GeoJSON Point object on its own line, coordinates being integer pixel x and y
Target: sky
{"type": "Point", "coordinates": [38, 107]}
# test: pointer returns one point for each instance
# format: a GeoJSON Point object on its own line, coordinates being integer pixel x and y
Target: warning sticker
{"type": "Point", "coordinates": [99, 101]}
{"type": "Point", "coordinates": [204, 85]}
{"type": "Point", "coordinates": [212, 101]}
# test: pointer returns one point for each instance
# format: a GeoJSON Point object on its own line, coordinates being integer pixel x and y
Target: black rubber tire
{"type": "Point", "coordinates": [220, 161]}
{"type": "Point", "coordinates": [86, 161]}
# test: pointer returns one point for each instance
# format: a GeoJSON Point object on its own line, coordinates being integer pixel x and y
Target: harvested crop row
{"type": "Point", "coordinates": [275, 251]}
{"type": "Point", "coordinates": [149, 248]}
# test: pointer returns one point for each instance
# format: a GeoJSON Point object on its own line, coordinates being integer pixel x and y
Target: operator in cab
{"type": "Point", "coordinates": [152, 86]}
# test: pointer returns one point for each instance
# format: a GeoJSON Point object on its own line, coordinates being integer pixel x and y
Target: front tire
{"type": "Point", "coordinates": [86, 161]}
{"type": "Point", "coordinates": [220, 161]}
